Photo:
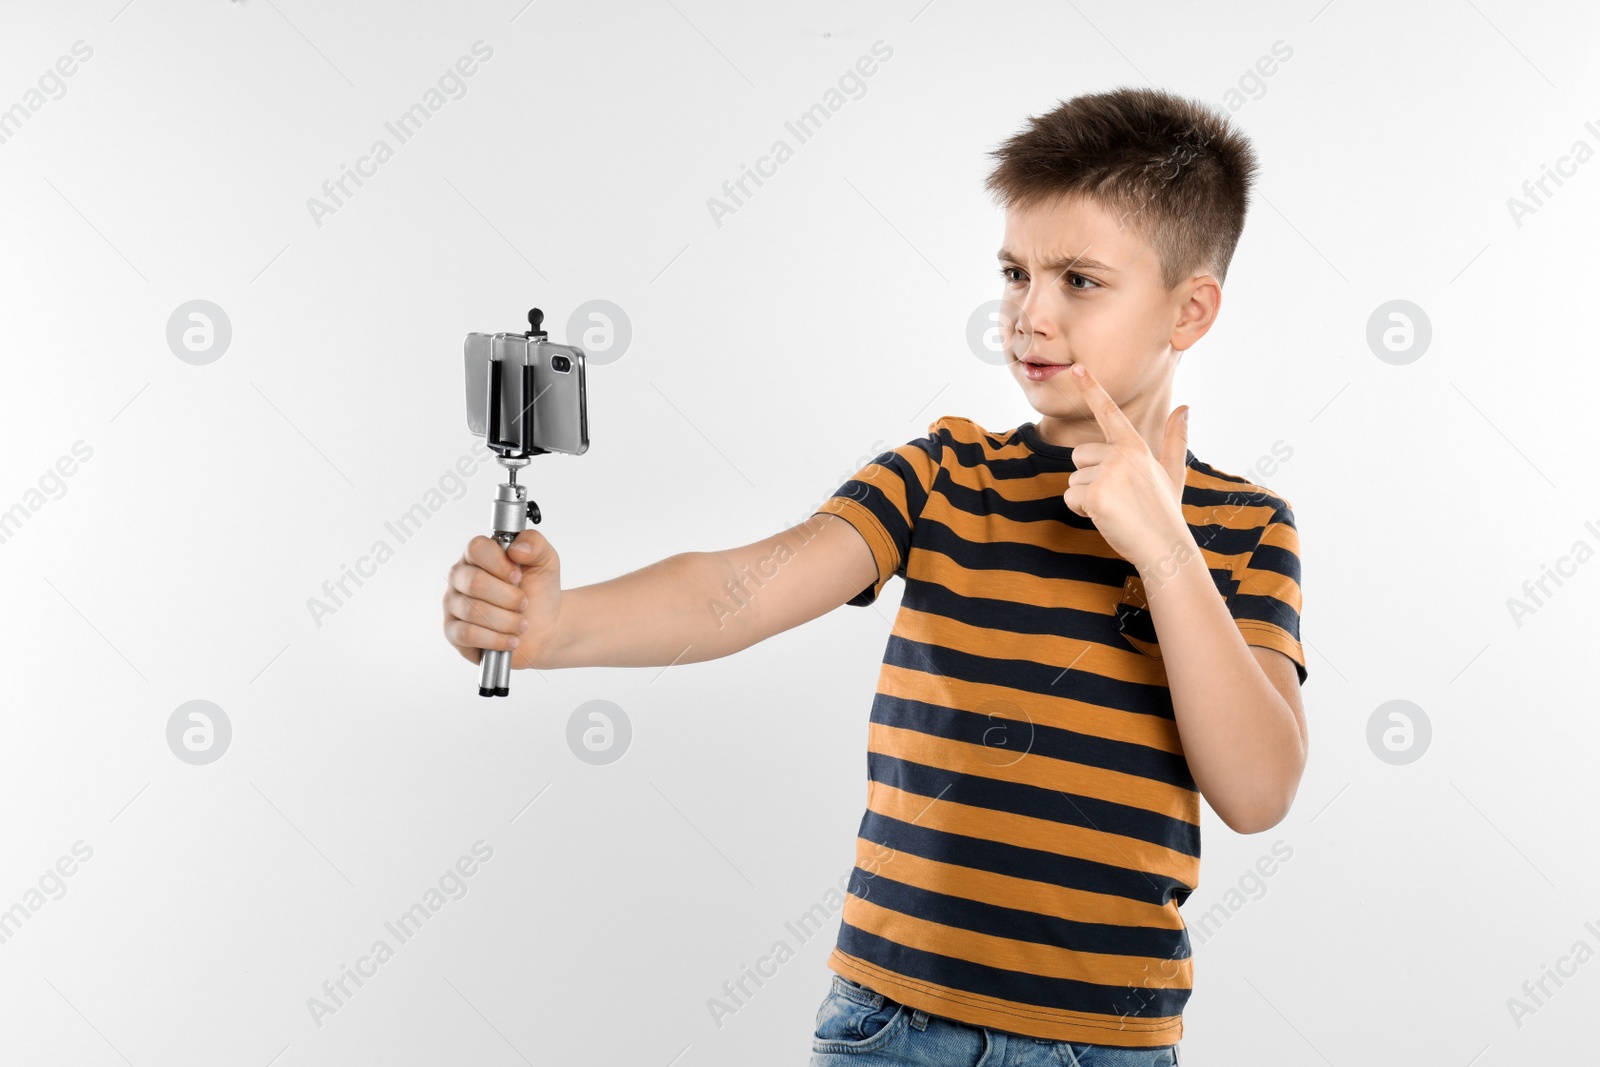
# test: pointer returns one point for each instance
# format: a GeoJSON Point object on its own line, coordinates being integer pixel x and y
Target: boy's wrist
{"type": "Point", "coordinates": [555, 651]}
{"type": "Point", "coordinates": [1169, 557]}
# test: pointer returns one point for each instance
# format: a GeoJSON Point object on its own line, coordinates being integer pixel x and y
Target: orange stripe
{"type": "Point", "coordinates": [1064, 713]}
{"type": "Point", "coordinates": [976, 1010]}
{"type": "Point", "coordinates": [1064, 653]}
{"type": "Point", "coordinates": [1259, 582]}
{"type": "Point", "coordinates": [1044, 835]}
{"type": "Point", "coordinates": [1018, 587]}
{"type": "Point", "coordinates": [987, 529]}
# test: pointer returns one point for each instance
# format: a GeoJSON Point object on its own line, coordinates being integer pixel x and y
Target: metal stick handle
{"type": "Point", "coordinates": [494, 679]}
{"type": "Point", "coordinates": [512, 510]}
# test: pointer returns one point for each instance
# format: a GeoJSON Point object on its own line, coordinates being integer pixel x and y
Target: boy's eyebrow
{"type": "Point", "coordinates": [1060, 265]}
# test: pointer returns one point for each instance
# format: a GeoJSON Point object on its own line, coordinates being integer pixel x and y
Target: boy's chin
{"type": "Point", "coordinates": [1047, 398]}
{"type": "Point", "coordinates": [1059, 414]}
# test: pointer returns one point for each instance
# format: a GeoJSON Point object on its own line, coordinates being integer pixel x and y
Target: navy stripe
{"type": "Point", "coordinates": [1277, 559]}
{"type": "Point", "coordinates": [976, 455]}
{"type": "Point", "coordinates": [1012, 616]}
{"type": "Point", "coordinates": [1023, 618]}
{"type": "Point", "coordinates": [1267, 609]}
{"type": "Point", "coordinates": [885, 510]}
{"type": "Point", "coordinates": [1028, 990]}
{"type": "Point", "coordinates": [1030, 864]}
{"type": "Point", "coordinates": [1030, 676]}
{"type": "Point", "coordinates": [1038, 560]}
{"type": "Point", "coordinates": [937, 535]}
{"type": "Point", "coordinates": [1225, 540]}
{"type": "Point", "coordinates": [986, 501]}
{"type": "Point", "coordinates": [1008, 736]}
{"type": "Point", "coordinates": [1061, 806]}
{"type": "Point", "coordinates": [998, 921]}
{"type": "Point", "coordinates": [1238, 500]}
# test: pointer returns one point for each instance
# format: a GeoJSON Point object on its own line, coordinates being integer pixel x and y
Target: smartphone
{"type": "Point", "coordinates": [519, 374]}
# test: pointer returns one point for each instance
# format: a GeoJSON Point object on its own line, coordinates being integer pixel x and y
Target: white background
{"type": "Point", "coordinates": [771, 357]}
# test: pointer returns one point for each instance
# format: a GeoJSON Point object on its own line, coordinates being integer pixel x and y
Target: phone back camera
{"type": "Point", "coordinates": [561, 363]}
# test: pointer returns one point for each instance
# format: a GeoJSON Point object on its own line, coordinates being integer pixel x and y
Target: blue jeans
{"type": "Point", "coordinates": [862, 1028]}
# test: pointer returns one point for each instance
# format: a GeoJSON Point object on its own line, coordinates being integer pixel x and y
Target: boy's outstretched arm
{"type": "Point", "coordinates": [687, 608]}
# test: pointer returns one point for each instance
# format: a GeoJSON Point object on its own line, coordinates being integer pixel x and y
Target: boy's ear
{"type": "Point", "coordinates": [1199, 300]}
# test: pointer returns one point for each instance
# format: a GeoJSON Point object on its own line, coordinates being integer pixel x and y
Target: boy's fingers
{"type": "Point", "coordinates": [466, 635]}
{"type": "Point", "coordinates": [480, 613]}
{"type": "Point", "coordinates": [1091, 453]}
{"type": "Point", "coordinates": [485, 552]}
{"type": "Point", "coordinates": [1114, 423]}
{"type": "Point", "coordinates": [479, 584]}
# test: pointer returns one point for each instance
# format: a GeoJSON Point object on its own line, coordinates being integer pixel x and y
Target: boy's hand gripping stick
{"type": "Point", "coordinates": [512, 511]}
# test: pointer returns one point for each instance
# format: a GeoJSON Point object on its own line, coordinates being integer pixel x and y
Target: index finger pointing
{"type": "Point", "coordinates": [1113, 423]}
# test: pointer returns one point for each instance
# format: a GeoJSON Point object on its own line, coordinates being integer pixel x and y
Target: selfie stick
{"type": "Point", "coordinates": [512, 508]}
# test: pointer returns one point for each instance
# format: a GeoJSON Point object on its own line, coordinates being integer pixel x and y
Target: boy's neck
{"type": "Point", "coordinates": [1148, 413]}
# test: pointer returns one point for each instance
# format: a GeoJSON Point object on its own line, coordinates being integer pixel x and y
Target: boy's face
{"type": "Point", "coordinates": [1083, 289]}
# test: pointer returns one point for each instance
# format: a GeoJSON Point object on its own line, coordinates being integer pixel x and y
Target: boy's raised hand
{"type": "Point", "coordinates": [1133, 497]}
{"type": "Point", "coordinates": [501, 600]}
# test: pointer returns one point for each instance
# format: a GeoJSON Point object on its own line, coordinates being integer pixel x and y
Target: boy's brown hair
{"type": "Point", "coordinates": [1173, 168]}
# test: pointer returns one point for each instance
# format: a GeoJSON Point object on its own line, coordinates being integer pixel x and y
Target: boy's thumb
{"type": "Point", "coordinates": [530, 549]}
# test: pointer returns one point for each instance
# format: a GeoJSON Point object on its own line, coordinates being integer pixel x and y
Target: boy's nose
{"type": "Point", "coordinates": [1035, 318]}
{"type": "Point", "coordinates": [1032, 338]}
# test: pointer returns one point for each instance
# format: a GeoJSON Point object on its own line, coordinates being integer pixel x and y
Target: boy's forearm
{"type": "Point", "coordinates": [664, 613]}
{"type": "Point", "coordinates": [1241, 739]}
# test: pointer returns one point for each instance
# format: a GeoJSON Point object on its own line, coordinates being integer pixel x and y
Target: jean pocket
{"type": "Point", "coordinates": [847, 1024]}
{"type": "Point", "coordinates": [1108, 1056]}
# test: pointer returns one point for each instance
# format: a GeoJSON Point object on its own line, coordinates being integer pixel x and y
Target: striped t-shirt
{"type": "Point", "coordinates": [1032, 826]}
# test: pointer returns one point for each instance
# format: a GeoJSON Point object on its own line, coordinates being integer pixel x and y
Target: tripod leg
{"type": "Point", "coordinates": [502, 680]}
{"type": "Point", "coordinates": [493, 680]}
{"type": "Point", "coordinates": [494, 677]}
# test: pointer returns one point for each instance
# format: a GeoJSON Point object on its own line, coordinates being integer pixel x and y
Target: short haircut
{"type": "Point", "coordinates": [1174, 169]}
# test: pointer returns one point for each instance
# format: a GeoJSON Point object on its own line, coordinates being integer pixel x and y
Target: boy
{"type": "Point", "coordinates": [1097, 628]}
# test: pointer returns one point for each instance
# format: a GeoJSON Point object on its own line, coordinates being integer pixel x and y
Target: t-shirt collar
{"type": "Point", "coordinates": [1030, 437]}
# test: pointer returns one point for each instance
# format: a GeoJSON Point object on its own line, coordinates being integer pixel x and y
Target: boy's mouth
{"type": "Point", "coordinates": [1041, 370]}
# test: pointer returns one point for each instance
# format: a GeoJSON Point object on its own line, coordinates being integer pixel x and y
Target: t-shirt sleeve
{"type": "Point", "coordinates": [883, 501]}
{"type": "Point", "coordinates": [1265, 604]}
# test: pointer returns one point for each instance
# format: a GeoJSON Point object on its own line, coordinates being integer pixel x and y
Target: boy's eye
{"type": "Point", "coordinates": [1090, 283]}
